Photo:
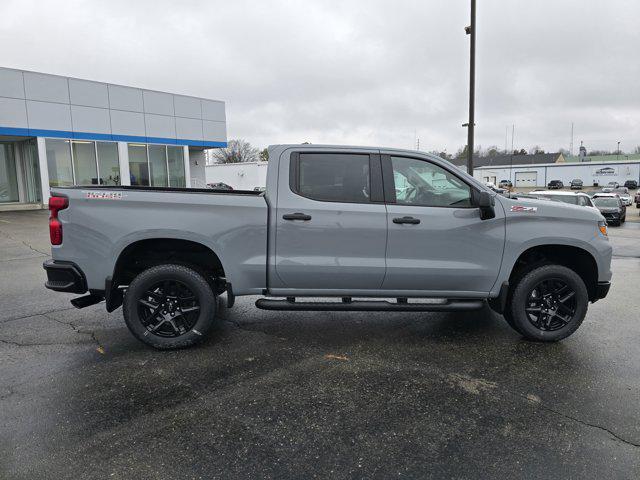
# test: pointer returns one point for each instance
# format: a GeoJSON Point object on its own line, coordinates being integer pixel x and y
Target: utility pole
{"type": "Point", "coordinates": [506, 129]}
{"type": "Point", "coordinates": [571, 144]}
{"type": "Point", "coordinates": [471, 30]}
{"type": "Point", "coordinates": [513, 131]}
{"type": "Point", "coordinates": [618, 153]}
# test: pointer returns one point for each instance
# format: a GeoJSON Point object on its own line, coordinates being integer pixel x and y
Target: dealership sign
{"type": "Point", "coordinates": [603, 171]}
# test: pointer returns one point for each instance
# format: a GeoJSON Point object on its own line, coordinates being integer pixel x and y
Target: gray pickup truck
{"type": "Point", "coordinates": [337, 229]}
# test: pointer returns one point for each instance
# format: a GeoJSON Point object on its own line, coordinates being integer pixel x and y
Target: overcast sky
{"type": "Point", "coordinates": [358, 72]}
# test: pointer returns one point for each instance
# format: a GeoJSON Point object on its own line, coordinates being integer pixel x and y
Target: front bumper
{"type": "Point", "coordinates": [602, 289]}
{"type": "Point", "coordinates": [64, 277]}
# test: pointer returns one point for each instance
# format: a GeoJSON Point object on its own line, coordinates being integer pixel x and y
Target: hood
{"type": "Point", "coordinates": [609, 209]}
{"type": "Point", "coordinates": [539, 208]}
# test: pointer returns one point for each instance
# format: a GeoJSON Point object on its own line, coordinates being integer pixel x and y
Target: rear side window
{"type": "Point", "coordinates": [331, 177]}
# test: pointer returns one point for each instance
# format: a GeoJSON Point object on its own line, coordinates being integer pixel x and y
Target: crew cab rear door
{"type": "Point", "coordinates": [331, 226]}
{"type": "Point", "coordinates": [437, 242]}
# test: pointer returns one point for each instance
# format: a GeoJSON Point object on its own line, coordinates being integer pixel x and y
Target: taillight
{"type": "Point", "coordinates": [55, 227]}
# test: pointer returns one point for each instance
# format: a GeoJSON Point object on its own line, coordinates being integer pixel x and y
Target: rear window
{"type": "Point", "coordinates": [606, 202]}
{"type": "Point", "coordinates": [332, 177]}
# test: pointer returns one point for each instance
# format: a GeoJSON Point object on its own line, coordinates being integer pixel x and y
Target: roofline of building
{"type": "Point", "coordinates": [111, 83]}
{"type": "Point", "coordinates": [236, 163]}
{"type": "Point", "coordinates": [559, 164]}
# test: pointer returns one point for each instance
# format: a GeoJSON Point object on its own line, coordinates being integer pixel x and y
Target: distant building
{"type": "Point", "coordinates": [502, 160]}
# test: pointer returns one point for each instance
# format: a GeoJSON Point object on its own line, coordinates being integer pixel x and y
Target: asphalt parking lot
{"type": "Point", "coordinates": [313, 395]}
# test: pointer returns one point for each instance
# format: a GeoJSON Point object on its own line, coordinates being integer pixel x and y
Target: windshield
{"type": "Point", "coordinates": [605, 202]}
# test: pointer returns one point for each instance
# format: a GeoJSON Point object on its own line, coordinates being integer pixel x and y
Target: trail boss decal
{"type": "Point", "coordinates": [103, 195]}
{"type": "Point", "coordinates": [522, 208]}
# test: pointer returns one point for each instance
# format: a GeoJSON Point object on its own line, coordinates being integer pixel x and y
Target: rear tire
{"type": "Point", "coordinates": [548, 303]}
{"type": "Point", "coordinates": [169, 306]}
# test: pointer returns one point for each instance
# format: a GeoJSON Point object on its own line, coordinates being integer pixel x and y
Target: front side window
{"type": "Point", "coordinates": [422, 183]}
{"type": "Point", "coordinates": [333, 177]}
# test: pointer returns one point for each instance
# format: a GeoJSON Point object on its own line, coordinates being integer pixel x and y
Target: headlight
{"type": "Point", "coordinates": [602, 226]}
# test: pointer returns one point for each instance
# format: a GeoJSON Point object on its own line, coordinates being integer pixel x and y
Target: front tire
{"type": "Point", "coordinates": [169, 306]}
{"type": "Point", "coordinates": [548, 303]}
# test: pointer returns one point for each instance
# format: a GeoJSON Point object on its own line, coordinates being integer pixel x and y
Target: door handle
{"type": "Point", "coordinates": [410, 220]}
{"type": "Point", "coordinates": [296, 216]}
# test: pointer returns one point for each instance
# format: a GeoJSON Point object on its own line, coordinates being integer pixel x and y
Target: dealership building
{"type": "Point", "coordinates": [61, 131]}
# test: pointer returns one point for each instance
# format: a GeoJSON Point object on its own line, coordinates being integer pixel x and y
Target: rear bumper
{"type": "Point", "coordinates": [64, 277]}
{"type": "Point", "coordinates": [602, 289]}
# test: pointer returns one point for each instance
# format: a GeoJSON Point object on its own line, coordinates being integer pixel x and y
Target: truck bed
{"type": "Point", "coordinates": [101, 221]}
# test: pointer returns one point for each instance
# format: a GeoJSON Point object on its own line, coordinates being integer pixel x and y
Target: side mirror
{"type": "Point", "coordinates": [486, 202]}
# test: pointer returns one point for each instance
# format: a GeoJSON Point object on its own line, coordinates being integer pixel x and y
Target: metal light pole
{"type": "Point", "coordinates": [618, 153]}
{"type": "Point", "coordinates": [471, 30]}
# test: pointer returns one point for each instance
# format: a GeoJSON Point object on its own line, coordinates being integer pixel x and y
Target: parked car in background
{"type": "Point", "coordinates": [632, 184]}
{"type": "Point", "coordinates": [555, 185]}
{"type": "Point", "coordinates": [572, 198]}
{"type": "Point", "coordinates": [625, 196]}
{"type": "Point", "coordinates": [576, 184]}
{"type": "Point", "coordinates": [611, 208]}
{"type": "Point", "coordinates": [613, 185]}
{"type": "Point", "coordinates": [219, 186]}
{"type": "Point", "coordinates": [505, 184]}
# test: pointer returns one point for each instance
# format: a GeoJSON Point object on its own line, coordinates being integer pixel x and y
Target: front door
{"type": "Point", "coordinates": [331, 221]}
{"type": "Point", "coordinates": [437, 242]}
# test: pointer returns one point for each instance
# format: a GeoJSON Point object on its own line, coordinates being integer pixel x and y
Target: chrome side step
{"type": "Point", "coordinates": [347, 305]}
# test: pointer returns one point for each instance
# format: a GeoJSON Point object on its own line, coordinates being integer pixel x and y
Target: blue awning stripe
{"type": "Point", "coordinates": [32, 132]}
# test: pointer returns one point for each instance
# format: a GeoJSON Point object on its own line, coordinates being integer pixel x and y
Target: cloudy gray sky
{"type": "Point", "coordinates": [359, 72]}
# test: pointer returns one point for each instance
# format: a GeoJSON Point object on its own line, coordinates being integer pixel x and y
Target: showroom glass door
{"type": "Point", "coordinates": [8, 174]}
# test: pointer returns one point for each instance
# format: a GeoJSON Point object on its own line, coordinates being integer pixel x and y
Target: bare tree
{"type": "Point", "coordinates": [237, 151]}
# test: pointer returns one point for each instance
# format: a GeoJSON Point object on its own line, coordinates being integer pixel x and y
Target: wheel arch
{"type": "Point", "coordinates": [140, 254]}
{"type": "Point", "coordinates": [576, 258]}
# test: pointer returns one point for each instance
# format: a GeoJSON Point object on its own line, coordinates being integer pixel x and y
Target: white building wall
{"type": "Point", "coordinates": [241, 176]}
{"type": "Point", "coordinates": [566, 172]}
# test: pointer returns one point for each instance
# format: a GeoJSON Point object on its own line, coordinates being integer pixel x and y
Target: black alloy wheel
{"type": "Point", "coordinates": [170, 306]}
{"type": "Point", "coordinates": [551, 305]}
{"type": "Point", "coordinates": [168, 309]}
{"type": "Point", "coordinates": [548, 303]}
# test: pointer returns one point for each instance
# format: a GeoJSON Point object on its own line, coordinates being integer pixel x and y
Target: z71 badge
{"type": "Point", "coordinates": [522, 208]}
{"type": "Point", "coordinates": [104, 195]}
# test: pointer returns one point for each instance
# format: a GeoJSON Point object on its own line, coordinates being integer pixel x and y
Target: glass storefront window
{"type": "Point", "coordinates": [138, 164]}
{"type": "Point", "coordinates": [175, 161]}
{"type": "Point", "coordinates": [158, 164]}
{"type": "Point", "coordinates": [108, 163]}
{"type": "Point", "coordinates": [84, 162]}
{"type": "Point", "coordinates": [8, 175]}
{"type": "Point", "coordinates": [59, 163]}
